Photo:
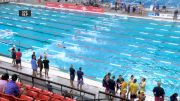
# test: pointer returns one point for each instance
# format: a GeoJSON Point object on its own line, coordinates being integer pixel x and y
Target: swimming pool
{"type": "Point", "coordinates": [98, 43]}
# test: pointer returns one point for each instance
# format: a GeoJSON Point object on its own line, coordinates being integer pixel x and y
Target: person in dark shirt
{"type": "Point", "coordinates": [105, 82]}
{"type": "Point", "coordinates": [40, 65]}
{"type": "Point", "coordinates": [159, 92]}
{"type": "Point", "coordinates": [174, 97]}
{"type": "Point", "coordinates": [72, 75]}
{"type": "Point", "coordinates": [112, 85]}
{"type": "Point", "coordinates": [46, 66]}
{"type": "Point", "coordinates": [175, 15]}
{"type": "Point", "coordinates": [118, 83]}
{"type": "Point", "coordinates": [13, 53]}
{"type": "Point", "coordinates": [33, 54]}
{"type": "Point", "coordinates": [80, 78]}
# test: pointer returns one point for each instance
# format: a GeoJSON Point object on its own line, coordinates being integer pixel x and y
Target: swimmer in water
{"type": "Point", "coordinates": [60, 45]}
{"type": "Point", "coordinates": [74, 37]}
{"type": "Point", "coordinates": [78, 32]}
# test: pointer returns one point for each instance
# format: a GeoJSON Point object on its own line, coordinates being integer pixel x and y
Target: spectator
{"type": "Point", "coordinates": [123, 88]}
{"type": "Point", "coordinates": [174, 97]}
{"type": "Point", "coordinates": [40, 65]}
{"type": "Point", "coordinates": [13, 54]}
{"type": "Point", "coordinates": [175, 15]}
{"type": "Point", "coordinates": [18, 58]}
{"type": "Point", "coordinates": [106, 82]}
{"type": "Point", "coordinates": [80, 78]}
{"type": "Point", "coordinates": [72, 75]}
{"type": "Point", "coordinates": [3, 81]}
{"type": "Point", "coordinates": [33, 54]}
{"type": "Point", "coordinates": [34, 65]}
{"type": "Point", "coordinates": [118, 83]}
{"type": "Point", "coordinates": [142, 84]}
{"type": "Point", "coordinates": [141, 96]}
{"type": "Point", "coordinates": [133, 88]}
{"type": "Point", "coordinates": [112, 85]}
{"type": "Point", "coordinates": [46, 66]}
{"type": "Point", "coordinates": [131, 80]}
{"type": "Point", "coordinates": [159, 92]}
{"type": "Point", "coordinates": [12, 88]}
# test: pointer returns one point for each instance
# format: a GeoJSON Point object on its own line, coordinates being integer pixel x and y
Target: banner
{"type": "Point", "coordinates": [75, 7]}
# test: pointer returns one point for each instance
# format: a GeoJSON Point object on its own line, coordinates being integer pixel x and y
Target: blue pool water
{"type": "Point", "coordinates": [120, 45]}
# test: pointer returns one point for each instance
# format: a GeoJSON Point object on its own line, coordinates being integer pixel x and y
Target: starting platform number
{"type": "Point", "coordinates": [25, 13]}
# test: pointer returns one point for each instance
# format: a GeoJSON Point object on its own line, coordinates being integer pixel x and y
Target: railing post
{"type": "Point", "coordinates": [33, 81]}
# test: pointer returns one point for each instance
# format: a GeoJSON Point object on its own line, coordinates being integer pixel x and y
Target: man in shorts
{"type": "Point", "coordinates": [133, 89]}
{"type": "Point", "coordinates": [46, 66]}
{"type": "Point", "coordinates": [118, 83]}
{"type": "Point", "coordinates": [18, 58]}
{"type": "Point", "coordinates": [80, 78]}
{"type": "Point", "coordinates": [112, 85]}
{"type": "Point", "coordinates": [72, 75]}
{"type": "Point", "coordinates": [40, 65]}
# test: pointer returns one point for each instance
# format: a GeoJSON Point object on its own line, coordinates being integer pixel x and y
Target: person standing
{"type": "Point", "coordinates": [106, 82]}
{"type": "Point", "coordinates": [133, 88]}
{"type": "Point", "coordinates": [18, 58]}
{"type": "Point", "coordinates": [13, 54]}
{"type": "Point", "coordinates": [142, 85]}
{"type": "Point", "coordinates": [118, 83]}
{"type": "Point", "coordinates": [33, 54]}
{"type": "Point", "coordinates": [112, 85]}
{"type": "Point", "coordinates": [72, 75]}
{"type": "Point", "coordinates": [131, 80]}
{"type": "Point", "coordinates": [158, 92]}
{"type": "Point", "coordinates": [34, 66]}
{"type": "Point", "coordinates": [174, 97]}
{"type": "Point", "coordinates": [175, 16]}
{"type": "Point", "coordinates": [123, 89]}
{"type": "Point", "coordinates": [40, 65]}
{"type": "Point", "coordinates": [80, 78]}
{"type": "Point", "coordinates": [46, 66]}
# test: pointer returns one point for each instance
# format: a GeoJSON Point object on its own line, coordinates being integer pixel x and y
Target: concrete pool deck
{"type": "Point", "coordinates": [58, 76]}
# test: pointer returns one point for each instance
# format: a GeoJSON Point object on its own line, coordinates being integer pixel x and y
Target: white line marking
{"type": "Point", "coordinates": [175, 37]}
{"type": "Point", "coordinates": [159, 35]}
{"type": "Point", "coordinates": [115, 64]}
{"type": "Point", "coordinates": [169, 52]}
{"type": "Point", "coordinates": [133, 46]}
{"type": "Point", "coordinates": [173, 44]}
{"type": "Point", "coordinates": [151, 48]}
{"type": "Point", "coordinates": [144, 33]}
{"type": "Point", "coordinates": [140, 39]}
{"type": "Point", "coordinates": [159, 74]}
{"type": "Point", "coordinates": [149, 28]}
{"type": "Point", "coordinates": [177, 31]}
{"type": "Point", "coordinates": [166, 62]}
{"type": "Point", "coordinates": [156, 41]}
{"type": "Point", "coordinates": [164, 29]}
{"type": "Point", "coordinates": [125, 54]}
{"type": "Point", "coordinates": [146, 58]}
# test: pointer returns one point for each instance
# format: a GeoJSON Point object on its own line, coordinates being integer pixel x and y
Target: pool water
{"type": "Point", "coordinates": [97, 43]}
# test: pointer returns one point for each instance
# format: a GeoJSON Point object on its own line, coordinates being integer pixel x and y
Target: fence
{"type": "Point", "coordinates": [57, 87]}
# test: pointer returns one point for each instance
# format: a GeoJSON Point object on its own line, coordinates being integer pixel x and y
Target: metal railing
{"type": "Point", "coordinates": [59, 88]}
{"type": "Point", "coordinates": [102, 96]}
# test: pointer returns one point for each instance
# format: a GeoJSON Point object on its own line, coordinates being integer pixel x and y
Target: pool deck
{"type": "Point", "coordinates": [58, 76]}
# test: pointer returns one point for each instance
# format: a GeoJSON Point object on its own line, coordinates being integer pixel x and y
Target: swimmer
{"type": "Point", "coordinates": [74, 37]}
{"type": "Point", "coordinates": [96, 28]}
{"type": "Point", "coordinates": [78, 32]}
{"type": "Point", "coordinates": [60, 45]}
